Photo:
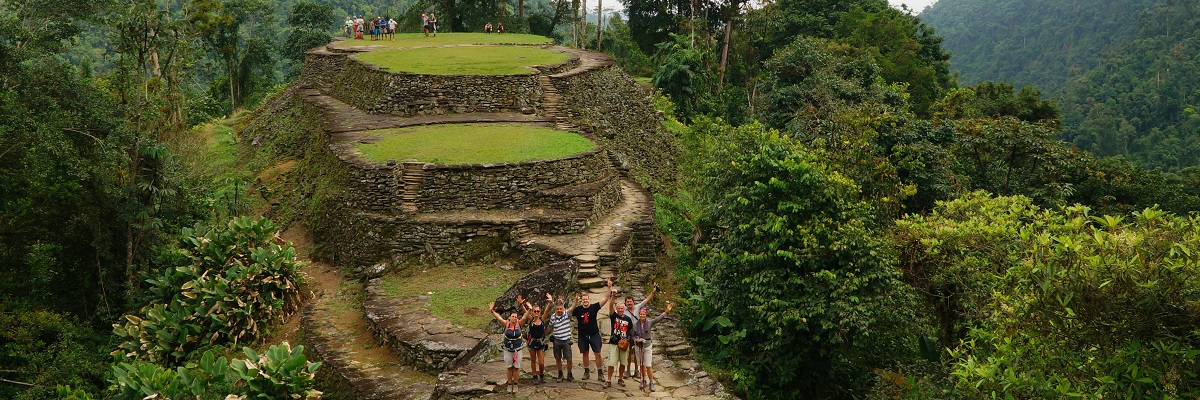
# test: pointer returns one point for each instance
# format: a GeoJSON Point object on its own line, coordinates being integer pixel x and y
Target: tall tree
{"type": "Point", "coordinates": [803, 287]}
{"type": "Point", "coordinates": [309, 28]}
{"type": "Point", "coordinates": [227, 29]}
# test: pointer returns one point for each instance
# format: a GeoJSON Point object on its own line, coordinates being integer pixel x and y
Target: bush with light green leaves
{"type": "Point", "coordinates": [283, 372]}
{"type": "Point", "coordinates": [1058, 303]}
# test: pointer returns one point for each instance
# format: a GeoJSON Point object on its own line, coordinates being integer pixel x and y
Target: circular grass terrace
{"type": "Point", "coordinates": [474, 143]}
{"type": "Point", "coordinates": [463, 60]}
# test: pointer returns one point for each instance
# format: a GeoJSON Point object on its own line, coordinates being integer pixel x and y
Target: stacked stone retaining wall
{"type": "Point", "coordinates": [376, 91]}
{"type": "Point", "coordinates": [508, 185]}
{"type": "Point", "coordinates": [620, 113]}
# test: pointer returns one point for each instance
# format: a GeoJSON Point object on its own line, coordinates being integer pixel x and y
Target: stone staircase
{"type": "Point", "coordinates": [552, 105]}
{"type": "Point", "coordinates": [411, 175]}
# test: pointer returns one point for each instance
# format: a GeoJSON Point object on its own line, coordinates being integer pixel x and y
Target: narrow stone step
{"type": "Point", "coordinates": [590, 283]}
{"type": "Point", "coordinates": [588, 273]}
{"type": "Point", "coordinates": [678, 350]}
{"type": "Point", "coordinates": [587, 258]}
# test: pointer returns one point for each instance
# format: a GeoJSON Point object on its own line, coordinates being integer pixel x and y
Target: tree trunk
{"type": "Point", "coordinates": [692, 24]}
{"type": "Point", "coordinates": [725, 46]}
{"type": "Point", "coordinates": [232, 89]}
{"type": "Point", "coordinates": [583, 25]}
{"type": "Point", "coordinates": [575, 23]}
{"type": "Point", "coordinates": [521, 9]}
{"type": "Point", "coordinates": [599, 22]}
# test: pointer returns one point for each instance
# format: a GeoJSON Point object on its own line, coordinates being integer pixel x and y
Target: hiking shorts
{"type": "Point", "coordinates": [644, 353]}
{"type": "Point", "coordinates": [616, 356]}
{"type": "Point", "coordinates": [592, 341]}
{"type": "Point", "coordinates": [562, 349]}
{"type": "Point", "coordinates": [512, 359]}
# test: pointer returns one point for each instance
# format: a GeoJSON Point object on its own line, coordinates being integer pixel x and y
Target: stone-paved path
{"type": "Point", "coordinates": [485, 381]}
{"type": "Point", "coordinates": [606, 234]}
{"type": "Point", "coordinates": [588, 60]}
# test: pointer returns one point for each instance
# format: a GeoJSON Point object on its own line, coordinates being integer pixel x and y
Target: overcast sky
{"type": "Point", "coordinates": [915, 5]}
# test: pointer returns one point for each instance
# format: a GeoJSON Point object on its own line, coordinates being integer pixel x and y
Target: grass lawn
{"type": "Point", "coordinates": [464, 60]}
{"type": "Point", "coordinates": [474, 143]}
{"type": "Point", "coordinates": [409, 40]}
{"type": "Point", "coordinates": [460, 294]}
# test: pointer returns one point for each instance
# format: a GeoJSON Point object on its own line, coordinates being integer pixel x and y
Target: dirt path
{"type": "Point", "coordinates": [334, 324]}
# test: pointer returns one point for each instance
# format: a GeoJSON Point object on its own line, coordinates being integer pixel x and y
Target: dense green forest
{"type": "Point", "coordinates": [1123, 72]}
{"type": "Point", "coordinates": [852, 221]}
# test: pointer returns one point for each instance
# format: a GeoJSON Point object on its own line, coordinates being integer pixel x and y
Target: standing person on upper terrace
{"type": "Point", "coordinates": [589, 330]}
{"type": "Point", "coordinates": [433, 24]}
{"type": "Point", "coordinates": [425, 23]}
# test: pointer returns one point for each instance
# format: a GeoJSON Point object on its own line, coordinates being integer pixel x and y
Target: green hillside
{"type": "Point", "coordinates": [1123, 73]}
{"type": "Point", "coordinates": [1028, 41]}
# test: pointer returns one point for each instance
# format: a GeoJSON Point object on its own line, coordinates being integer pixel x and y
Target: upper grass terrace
{"type": "Point", "coordinates": [476, 143]}
{"type": "Point", "coordinates": [456, 53]}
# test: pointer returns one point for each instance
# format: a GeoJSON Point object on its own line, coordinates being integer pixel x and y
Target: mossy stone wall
{"type": "Point", "coordinates": [620, 113]}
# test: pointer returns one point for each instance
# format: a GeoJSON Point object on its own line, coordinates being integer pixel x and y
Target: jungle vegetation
{"type": "Point", "coordinates": [852, 219]}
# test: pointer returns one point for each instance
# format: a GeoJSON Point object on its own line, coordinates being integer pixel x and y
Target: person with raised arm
{"type": "Point", "coordinates": [631, 311]}
{"type": "Point", "coordinates": [560, 334]}
{"type": "Point", "coordinates": [643, 345]}
{"type": "Point", "coordinates": [619, 339]}
{"type": "Point", "coordinates": [537, 339]}
{"type": "Point", "coordinates": [513, 342]}
{"type": "Point", "coordinates": [589, 330]}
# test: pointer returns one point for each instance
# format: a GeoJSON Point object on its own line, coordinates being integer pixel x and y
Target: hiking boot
{"type": "Point", "coordinates": [621, 381]}
{"type": "Point", "coordinates": [570, 377]}
{"type": "Point", "coordinates": [651, 386]}
{"type": "Point", "coordinates": [559, 377]}
{"type": "Point", "coordinates": [643, 385]}
{"type": "Point", "coordinates": [586, 374]}
{"type": "Point", "coordinates": [542, 377]}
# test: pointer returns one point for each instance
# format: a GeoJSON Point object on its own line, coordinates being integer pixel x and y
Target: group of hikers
{"type": "Point", "coordinates": [630, 340]}
{"type": "Point", "coordinates": [378, 27]}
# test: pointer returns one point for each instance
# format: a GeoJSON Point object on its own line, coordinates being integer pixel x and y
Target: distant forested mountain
{"type": "Point", "coordinates": [1037, 42]}
{"type": "Point", "coordinates": [1123, 72]}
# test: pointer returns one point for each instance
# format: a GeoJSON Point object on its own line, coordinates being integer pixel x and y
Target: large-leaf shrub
{"type": "Point", "coordinates": [282, 372]}
{"type": "Point", "coordinates": [232, 282]}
